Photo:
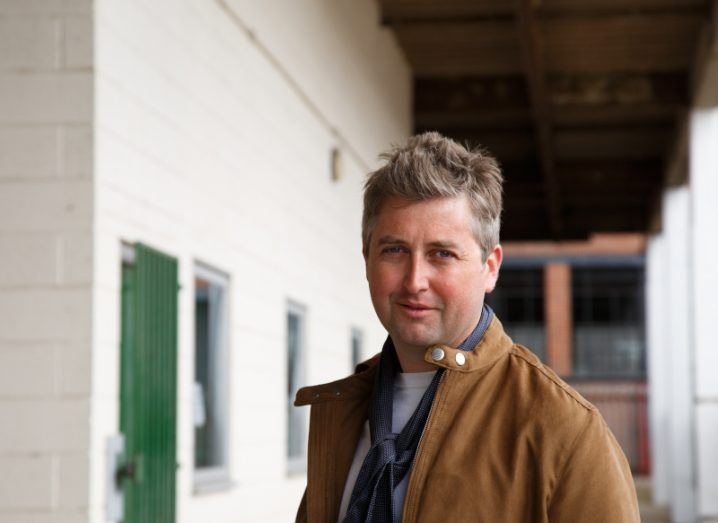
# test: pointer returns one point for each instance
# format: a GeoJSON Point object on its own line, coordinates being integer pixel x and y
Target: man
{"type": "Point", "coordinates": [452, 421]}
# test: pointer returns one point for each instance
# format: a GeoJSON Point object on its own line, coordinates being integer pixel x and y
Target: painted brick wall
{"type": "Point", "coordinates": [46, 112]}
{"type": "Point", "coordinates": [214, 126]}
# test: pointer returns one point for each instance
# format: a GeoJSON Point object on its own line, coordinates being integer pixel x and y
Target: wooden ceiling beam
{"type": "Point", "coordinates": [621, 44]}
{"type": "Point", "coordinates": [617, 143]}
{"type": "Point", "coordinates": [629, 45]}
{"type": "Point", "coordinates": [567, 118]}
{"type": "Point", "coordinates": [626, 220]}
{"type": "Point", "coordinates": [531, 46]}
{"type": "Point", "coordinates": [575, 101]}
{"type": "Point", "coordinates": [579, 116]}
{"type": "Point", "coordinates": [468, 93]}
{"type": "Point", "coordinates": [517, 145]}
{"type": "Point", "coordinates": [395, 13]}
{"type": "Point", "coordinates": [587, 95]}
{"type": "Point", "coordinates": [676, 160]}
{"type": "Point", "coordinates": [476, 121]}
{"type": "Point", "coordinates": [428, 10]}
{"type": "Point", "coordinates": [705, 63]}
{"type": "Point", "coordinates": [479, 92]}
{"type": "Point", "coordinates": [602, 171]}
{"type": "Point", "coordinates": [599, 8]}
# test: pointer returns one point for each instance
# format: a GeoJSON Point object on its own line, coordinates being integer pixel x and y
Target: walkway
{"type": "Point", "coordinates": [650, 513]}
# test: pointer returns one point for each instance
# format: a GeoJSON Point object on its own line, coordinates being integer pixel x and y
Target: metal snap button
{"type": "Point", "coordinates": [437, 354]}
{"type": "Point", "coordinates": [460, 358]}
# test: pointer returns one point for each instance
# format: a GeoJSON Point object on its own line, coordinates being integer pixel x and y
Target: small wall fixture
{"type": "Point", "coordinates": [335, 164]}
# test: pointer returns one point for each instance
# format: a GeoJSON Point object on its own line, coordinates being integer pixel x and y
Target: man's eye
{"type": "Point", "coordinates": [396, 249]}
{"type": "Point", "coordinates": [444, 254]}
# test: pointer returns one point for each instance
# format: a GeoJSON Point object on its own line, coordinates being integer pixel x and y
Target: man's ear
{"type": "Point", "coordinates": [493, 264]}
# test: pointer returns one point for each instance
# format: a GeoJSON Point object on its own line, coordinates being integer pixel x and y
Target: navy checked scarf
{"type": "Point", "coordinates": [391, 455]}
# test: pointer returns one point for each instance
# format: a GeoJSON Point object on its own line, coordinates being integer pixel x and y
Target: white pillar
{"type": "Point", "coordinates": [704, 208]}
{"type": "Point", "coordinates": [659, 368]}
{"type": "Point", "coordinates": [677, 278]}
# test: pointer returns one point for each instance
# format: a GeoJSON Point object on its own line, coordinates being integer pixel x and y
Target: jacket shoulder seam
{"type": "Point", "coordinates": [325, 392]}
{"type": "Point", "coordinates": [583, 403]}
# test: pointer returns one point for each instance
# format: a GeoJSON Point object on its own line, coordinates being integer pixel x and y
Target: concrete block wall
{"type": "Point", "coordinates": [215, 123]}
{"type": "Point", "coordinates": [46, 212]}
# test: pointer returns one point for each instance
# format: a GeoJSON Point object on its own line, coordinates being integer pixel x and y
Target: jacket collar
{"type": "Point", "coordinates": [493, 345]}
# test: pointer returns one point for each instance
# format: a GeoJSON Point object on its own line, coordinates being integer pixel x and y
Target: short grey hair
{"type": "Point", "coordinates": [430, 165]}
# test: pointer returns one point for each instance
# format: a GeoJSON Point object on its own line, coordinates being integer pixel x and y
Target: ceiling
{"type": "Point", "coordinates": [582, 101]}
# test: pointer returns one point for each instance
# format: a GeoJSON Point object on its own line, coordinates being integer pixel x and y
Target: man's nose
{"type": "Point", "coordinates": [417, 275]}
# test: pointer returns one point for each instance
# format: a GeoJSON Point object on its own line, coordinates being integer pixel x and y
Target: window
{"type": "Point", "coordinates": [296, 422]}
{"type": "Point", "coordinates": [210, 388]}
{"type": "Point", "coordinates": [356, 348]}
{"type": "Point", "coordinates": [608, 322]}
{"type": "Point", "coordinates": [517, 300]}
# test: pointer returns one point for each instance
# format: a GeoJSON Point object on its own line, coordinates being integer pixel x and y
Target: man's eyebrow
{"type": "Point", "coordinates": [436, 244]}
{"type": "Point", "coordinates": [444, 244]}
{"type": "Point", "coordinates": [390, 239]}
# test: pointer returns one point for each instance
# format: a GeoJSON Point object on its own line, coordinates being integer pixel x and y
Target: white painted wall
{"type": "Point", "coordinates": [46, 213]}
{"type": "Point", "coordinates": [352, 70]}
{"type": "Point", "coordinates": [213, 144]}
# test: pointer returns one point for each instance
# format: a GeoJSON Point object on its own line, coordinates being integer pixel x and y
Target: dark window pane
{"type": "Point", "coordinates": [518, 302]}
{"type": "Point", "coordinates": [601, 309]}
{"type": "Point", "coordinates": [296, 441]}
{"type": "Point", "coordinates": [609, 340]}
{"type": "Point", "coordinates": [209, 437]}
{"type": "Point", "coordinates": [356, 348]}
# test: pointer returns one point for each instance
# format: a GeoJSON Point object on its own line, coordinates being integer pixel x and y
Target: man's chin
{"type": "Point", "coordinates": [413, 338]}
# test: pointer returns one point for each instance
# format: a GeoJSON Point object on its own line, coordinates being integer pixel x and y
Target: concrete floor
{"type": "Point", "coordinates": [650, 513]}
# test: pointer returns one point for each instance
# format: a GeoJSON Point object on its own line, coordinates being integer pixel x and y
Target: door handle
{"type": "Point", "coordinates": [125, 471]}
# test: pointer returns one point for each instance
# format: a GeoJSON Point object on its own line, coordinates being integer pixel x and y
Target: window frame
{"type": "Point", "coordinates": [296, 465]}
{"type": "Point", "coordinates": [214, 478]}
{"type": "Point", "coordinates": [356, 356]}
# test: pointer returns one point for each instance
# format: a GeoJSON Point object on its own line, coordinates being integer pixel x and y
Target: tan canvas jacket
{"type": "Point", "coordinates": [506, 440]}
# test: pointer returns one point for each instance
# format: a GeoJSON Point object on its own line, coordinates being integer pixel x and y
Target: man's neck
{"type": "Point", "coordinates": [411, 359]}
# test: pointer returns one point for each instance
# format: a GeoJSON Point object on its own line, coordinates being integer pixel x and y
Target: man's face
{"type": "Point", "coordinates": [425, 272]}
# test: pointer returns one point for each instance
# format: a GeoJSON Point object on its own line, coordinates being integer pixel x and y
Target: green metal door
{"type": "Point", "coordinates": [148, 386]}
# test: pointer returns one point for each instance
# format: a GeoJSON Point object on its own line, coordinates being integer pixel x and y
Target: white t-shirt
{"type": "Point", "coordinates": [408, 390]}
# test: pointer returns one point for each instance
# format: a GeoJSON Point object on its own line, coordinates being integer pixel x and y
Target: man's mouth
{"type": "Point", "coordinates": [417, 306]}
{"type": "Point", "coordinates": [415, 309]}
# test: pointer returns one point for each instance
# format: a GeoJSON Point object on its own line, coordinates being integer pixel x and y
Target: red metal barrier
{"type": "Point", "coordinates": [623, 404]}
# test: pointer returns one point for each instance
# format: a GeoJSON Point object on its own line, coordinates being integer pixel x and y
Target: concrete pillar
{"type": "Point", "coordinates": [558, 314]}
{"type": "Point", "coordinates": [659, 370]}
{"type": "Point", "coordinates": [704, 224]}
{"type": "Point", "coordinates": [679, 339]}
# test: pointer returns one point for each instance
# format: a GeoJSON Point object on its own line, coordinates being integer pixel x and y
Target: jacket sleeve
{"type": "Point", "coordinates": [595, 482]}
{"type": "Point", "coordinates": [302, 510]}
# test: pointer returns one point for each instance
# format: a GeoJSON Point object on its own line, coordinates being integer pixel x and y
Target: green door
{"type": "Point", "coordinates": [148, 386]}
